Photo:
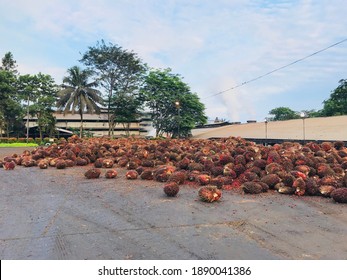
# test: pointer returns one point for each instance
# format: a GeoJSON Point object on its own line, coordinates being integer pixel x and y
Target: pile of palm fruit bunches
{"type": "Point", "coordinates": [214, 165]}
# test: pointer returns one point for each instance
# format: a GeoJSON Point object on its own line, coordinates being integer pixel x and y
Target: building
{"type": "Point", "coordinates": [95, 125]}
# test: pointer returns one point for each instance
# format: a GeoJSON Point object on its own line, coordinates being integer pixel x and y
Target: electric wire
{"type": "Point", "coordinates": [277, 69]}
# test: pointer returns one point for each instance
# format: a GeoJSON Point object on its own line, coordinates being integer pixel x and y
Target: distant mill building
{"type": "Point", "coordinates": [95, 125]}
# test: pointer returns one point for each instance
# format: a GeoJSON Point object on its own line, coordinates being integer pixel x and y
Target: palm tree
{"type": "Point", "coordinates": [78, 94]}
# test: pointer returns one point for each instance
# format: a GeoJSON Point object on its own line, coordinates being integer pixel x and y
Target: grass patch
{"type": "Point", "coordinates": [15, 145]}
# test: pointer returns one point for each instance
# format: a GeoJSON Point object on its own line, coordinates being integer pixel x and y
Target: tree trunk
{"type": "Point", "coordinates": [7, 130]}
{"type": "Point", "coordinates": [40, 132]}
{"type": "Point", "coordinates": [81, 127]}
{"type": "Point", "coordinates": [28, 120]}
{"type": "Point", "coordinates": [109, 112]}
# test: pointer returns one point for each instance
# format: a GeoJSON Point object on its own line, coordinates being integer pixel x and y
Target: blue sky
{"type": "Point", "coordinates": [214, 45]}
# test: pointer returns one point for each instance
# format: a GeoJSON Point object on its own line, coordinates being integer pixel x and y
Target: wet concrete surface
{"type": "Point", "coordinates": [58, 214]}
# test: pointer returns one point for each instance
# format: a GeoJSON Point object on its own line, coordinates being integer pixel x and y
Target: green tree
{"type": "Point", "coordinates": [79, 94]}
{"type": "Point", "coordinates": [312, 113]}
{"type": "Point", "coordinates": [10, 108]}
{"type": "Point", "coordinates": [126, 109]}
{"type": "Point", "coordinates": [40, 90]}
{"type": "Point", "coordinates": [8, 63]}
{"type": "Point", "coordinates": [283, 113]}
{"type": "Point", "coordinates": [336, 104]}
{"type": "Point", "coordinates": [119, 71]}
{"type": "Point", "coordinates": [174, 108]}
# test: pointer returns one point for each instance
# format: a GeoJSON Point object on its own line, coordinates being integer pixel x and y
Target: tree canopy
{"type": "Point", "coordinates": [10, 108]}
{"type": "Point", "coordinates": [8, 63]}
{"type": "Point", "coordinates": [40, 90]}
{"type": "Point", "coordinates": [174, 108]}
{"type": "Point", "coordinates": [79, 94]}
{"type": "Point", "coordinates": [119, 71]}
{"type": "Point", "coordinates": [283, 113]}
{"type": "Point", "coordinates": [336, 104]}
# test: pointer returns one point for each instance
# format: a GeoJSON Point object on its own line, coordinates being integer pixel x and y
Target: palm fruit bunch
{"type": "Point", "coordinates": [178, 177]}
{"type": "Point", "coordinates": [81, 161]}
{"type": "Point", "coordinates": [326, 190]}
{"type": "Point", "coordinates": [111, 173]}
{"type": "Point", "coordinates": [271, 180]}
{"type": "Point", "coordinates": [171, 189]}
{"type": "Point", "coordinates": [163, 173]}
{"type": "Point", "coordinates": [147, 174]}
{"type": "Point", "coordinates": [203, 179]}
{"type": "Point", "coordinates": [209, 193]}
{"type": "Point", "coordinates": [98, 162]}
{"type": "Point", "coordinates": [9, 165]}
{"type": "Point", "coordinates": [252, 187]}
{"type": "Point", "coordinates": [93, 173]}
{"type": "Point", "coordinates": [107, 163]}
{"type": "Point", "coordinates": [60, 164]}
{"type": "Point", "coordinates": [43, 164]}
{"type": "Point", "coordinates": [131, 175]}
{"type": "Point", "coordinates": [339, 195]}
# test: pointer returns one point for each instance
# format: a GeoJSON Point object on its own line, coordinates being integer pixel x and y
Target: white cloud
{"type": "Point", "coordinates": [213, 44]}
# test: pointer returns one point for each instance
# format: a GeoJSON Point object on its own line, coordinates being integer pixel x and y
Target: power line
{"type": "Point", "coordinates": [277, 69]}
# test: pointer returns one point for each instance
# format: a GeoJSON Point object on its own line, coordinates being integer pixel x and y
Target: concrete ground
{"type": "Point", "coordinates": [58, 214]}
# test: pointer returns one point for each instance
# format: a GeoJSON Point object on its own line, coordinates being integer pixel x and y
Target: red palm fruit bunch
{"type": "Point", "coordinates": [147, 174]}
{"type": "Point", "coordinates": [252, 187]}
{"type": "Point", "coordinates": [111, 173]}
{"type": "Point", "coordinates": [209, 193]}
{"type": "Point", "coordinates": [204, 179]}
{"type": "Point", "coordinates": [107, 163]}
{"type": "Point", "coordinates": [93, 173]}
{"type": "Point", "coordinates": [171, 189]}
{"type": "Point", "coordinates": [225, 158]}
{"type": "Point", "coordinates": [326, 190]}
{"type": "Point", "coordinates": [324, 169]}
{"type": "Point", "coordinates": [53, 162]}
{"type": "Point", "coordinates": [131, 175]}
{"type": "Point", "coordinates": [217, 170]}
{"type": "Point", "coordinates": [192, 176]}
{"type": "Point", "coordinates": [60, 164]}
{"type": "Point", "coordinates": [271, 180]}
{"type": "Point", "coordinates": [339, 195]}
{"type": "Point", "coordinates": [132, 165]}
{"type": "Point", "coordinates": [9, 165]}
{"type": "Point", "coordinates": [140, 169]}
{"type": "Point", "coordinates": [300, 186]}
{"type": "Point", "coordinates": [69, 163]}
{"type": "Point", "coordinates": [98, 163]}
{"type": "Point", "coordinates": [81, 161]}
{"type": "Point", "coordinates": [43, 164]}
{"type": "Point", "coordinates": [184, 163]}
{"type": "Point", "coordinates": [195, 166]}
{"type": "Point", "coordinates": [273, 168]}
{"type": "Point", "coordinates": [283, 189]}
{"type": "Point", "coordinates": [28, 162]}
{"type": "Point", "coordinates": [163, 173]}
{"type": "Point", "coordinates": [312, 186]}
{"type": "Point", "coordinates": [326, 146]}
{"type": "Point", "coordinates": [178, 176]}
{"type": "Point", "coordinates": [218, 181]}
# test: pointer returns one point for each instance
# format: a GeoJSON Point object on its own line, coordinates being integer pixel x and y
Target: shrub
{"type": "Point", "coordinates": [11, 140]}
